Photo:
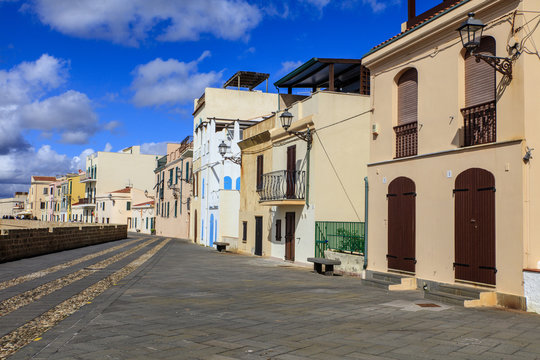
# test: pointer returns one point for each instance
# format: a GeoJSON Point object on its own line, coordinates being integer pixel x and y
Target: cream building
{"type": "Point", "coordinates": [453, 187]}
{"type": "Point", "coordinates": [173, 190]}
{"type": "Point", "coordinates": [221, 115]}
{"type": "Point", "coordinates": [115, 207]}
{"type": "Point", "coordinates": [38, 195]}
{"type": "Point", "coordinates": [108, 171]}
{"type": "Point", "coordinates": [13, 206]}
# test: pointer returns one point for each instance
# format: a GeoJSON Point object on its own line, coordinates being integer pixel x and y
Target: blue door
{"type": "Point", "coordinates": [211, 239]}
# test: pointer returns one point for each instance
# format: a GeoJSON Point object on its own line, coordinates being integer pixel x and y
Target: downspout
{"type": "Point", "coordinates": [366, 222]}
{"type": "Point", "coordinates": [310, 139]}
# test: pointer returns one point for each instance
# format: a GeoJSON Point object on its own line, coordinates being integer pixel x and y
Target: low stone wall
{"type": "Point", "coordinates": [27, 242]}
{"type": "Point", "coordinates": [350, 264]}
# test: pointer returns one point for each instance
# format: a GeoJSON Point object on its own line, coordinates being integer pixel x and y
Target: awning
{"type": "Point", "coordinates": [346, 75]}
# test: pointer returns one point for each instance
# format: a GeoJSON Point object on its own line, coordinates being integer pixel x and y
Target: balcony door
{"type": "Point", "coordinates": [479, 114]}
{"type": "Point", "coordinates": [258, 235]}
{"type": "Point", "coordinates": [291, 172]}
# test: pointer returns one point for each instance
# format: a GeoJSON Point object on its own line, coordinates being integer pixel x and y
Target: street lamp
{"type": "Point", "coordinates": [223, 148]}
{"type": "Point", "coordinates": [471, 32]}
{"type": "Point", "coordinates": [286, 120]}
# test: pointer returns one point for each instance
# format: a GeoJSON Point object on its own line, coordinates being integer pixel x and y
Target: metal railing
{"type": "Point", "coordinates": [282, 185]}
{"type": "Point", "coordinates": [85, 201]}
{"type": "Point", "coordinates": [480, 124]}
{"type": "Point", "coordinates": [406, 139]}
{"type": "Point", "coordinates": [340, 236]}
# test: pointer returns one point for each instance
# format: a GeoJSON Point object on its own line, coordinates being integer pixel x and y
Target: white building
{"type": "Point", "coordinates": [143, 218]}
{"type": "Point", "coordinates": [220, 115]}
{"type": "Point", "coordinates": [109, 171]}
{"type": "Point", "coordinates": [115, 207]}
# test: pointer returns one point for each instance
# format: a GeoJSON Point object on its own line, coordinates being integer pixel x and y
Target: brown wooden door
{"type": "Point", "coordinates": [291, 172]}
{"type": "Point", "coordinates": [258, 235]}
{"type": "Point", "coordinates": [402, 225]}
{"type": "Point", "coordinates": [289, 236]}
{"type": "Point", "coordinates": [474, 226]}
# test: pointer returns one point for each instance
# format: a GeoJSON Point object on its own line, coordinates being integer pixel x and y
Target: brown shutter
{"type": "Point", "coordinates": [259, 171]}
{"type": "Point", "coordinates": [408, 97]}
{"type": "Point", "coordinates": [480, 76]}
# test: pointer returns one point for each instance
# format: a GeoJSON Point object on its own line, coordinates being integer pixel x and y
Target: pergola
{"type": "Point", "coordinates": [247, 79]}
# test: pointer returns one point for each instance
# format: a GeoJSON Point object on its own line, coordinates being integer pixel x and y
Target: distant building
{"type": "Point", "coordinates": [115, 207]}
{"type": "Point", "coordinates": [108, 171]}
{"type": "Point", "coordinates": [143, 217]}
{"type": "Point", "coordinates": [13, 206]}
{"type": "Point", "coordinates": [38, 195]}
{"type": "Point", "coordinates": [173, 190]}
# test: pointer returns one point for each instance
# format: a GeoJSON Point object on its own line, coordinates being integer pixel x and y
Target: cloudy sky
{"type": "Point", "coordinates": [78, 76]}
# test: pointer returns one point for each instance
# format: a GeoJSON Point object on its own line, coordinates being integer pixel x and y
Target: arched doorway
{"type": "Point", "coordinates": [474, 224]}
{"type": "Point", "coordinates": [402, 225]}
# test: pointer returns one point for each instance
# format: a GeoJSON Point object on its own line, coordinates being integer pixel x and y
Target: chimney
{"type": "Point", "coordinates": [412, 10]}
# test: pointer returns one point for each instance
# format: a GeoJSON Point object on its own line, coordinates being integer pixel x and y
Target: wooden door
{"type": "Point", "coordinates": [402, 225]}
{"type": "Point", "coordinates": [289, 236]}
{"type": "Point", "coordinates": [258, 235]}
{"type": "Point", "coordinates": [474, 226]}
{"type": "Point", "coordinates": [291, 172]}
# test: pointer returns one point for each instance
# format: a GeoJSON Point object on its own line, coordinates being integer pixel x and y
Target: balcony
{"type": "Point", "coordinates": [87, 179]}
{"type": "Point", "coordinates": [406, 139]}
{"type": "Point", "coordinates": [480, 124]}
{"type": "Point", "coordinates": [85, 203]}
{"type": "Point", "coordinates": [283, 187]}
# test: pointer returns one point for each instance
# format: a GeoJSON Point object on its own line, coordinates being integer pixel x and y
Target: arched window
{"type": "Point", "coordinates": [407, 129]}
{"type": "Point", "coordinates": [408, 97]}
{"type": "Point", "coordinates": [238, 183]}
{"type": "Point", "coordinates": [227, 183]}
{"type": "Point", "coordinates": [479, 114]}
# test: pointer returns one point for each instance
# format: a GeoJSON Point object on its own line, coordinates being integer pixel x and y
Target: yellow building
{"type": "Point", "coordinates": [454, 190]}
{"type": "Point", "coordinates": [76, 191]}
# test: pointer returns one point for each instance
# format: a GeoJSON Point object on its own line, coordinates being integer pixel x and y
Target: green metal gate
{"type": "Point", "coordinates": [339, 236]}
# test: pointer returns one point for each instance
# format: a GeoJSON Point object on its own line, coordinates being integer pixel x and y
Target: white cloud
{"type": "Point", "coordinates": [131, 21]}
{"type": "Point", "coordinates": [161, 82]}
{"type": "Point", "coordinates": [17, 167]}
{"type": "Point", "coordinates": [108, 147]}
{"type": "Point", "coordinates": [159, 148]}
{"type": "Point", "coordinates": [320, 4]}
{"type": "Point", "coordinates": [69, 114]}
{"type": "Point", "coordinates": [288, 66]}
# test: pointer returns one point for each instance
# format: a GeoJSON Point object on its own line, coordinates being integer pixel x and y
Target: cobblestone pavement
{"type": "Point", "coordinates": [190, 302]}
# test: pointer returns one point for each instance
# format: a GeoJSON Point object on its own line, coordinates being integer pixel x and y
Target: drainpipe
{"type": "Point", "coordinates": [308, 167]}
{"type": "Point", "coordinates": [366, 222]}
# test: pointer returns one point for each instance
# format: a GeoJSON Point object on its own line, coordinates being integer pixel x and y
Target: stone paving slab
{"type": "Point", "coordinates": [190, 302]}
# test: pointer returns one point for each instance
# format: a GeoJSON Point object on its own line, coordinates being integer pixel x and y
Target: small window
{"type": "Point", "coordinates": [168, 209]}
{"type": "Point", "coordinates": [244, 231]}
{"type": "Point", "coordinates": [107, 220]}
{"type": "Point", "coordinates": [128, 205]}
{"type": "Point", "coordinates": [44, 191]}
{"type": "Point", "coordinates": [278, 230]}
{"type": "Point", "coordinates": [260, 160]}
{"type": "Point", "coordinates": [175, 208]}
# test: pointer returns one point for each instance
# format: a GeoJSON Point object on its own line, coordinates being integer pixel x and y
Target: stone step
{"type": "Point", "coordinates": [446, 297]}
{"type": "Point", "coordinates": [460, 291]}
{"type": "Point", "coordinates": [381, 284]}
{"type": "Point", "coordinates": [388, 277]}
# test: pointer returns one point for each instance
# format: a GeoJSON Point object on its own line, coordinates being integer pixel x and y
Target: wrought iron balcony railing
{"type": "Point", "coordinates": [406, 139]}
{"type": "Point", "coordinates": [283, 185]}
{"type": "Point", "coordinates": [480, 124]}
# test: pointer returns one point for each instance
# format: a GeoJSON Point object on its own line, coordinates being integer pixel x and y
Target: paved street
{"type": "Point", "coordinates": [184, 301]}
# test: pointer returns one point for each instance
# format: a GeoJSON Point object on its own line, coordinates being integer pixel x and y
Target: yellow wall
{"type": "Point", "coordinates": [435, 50]}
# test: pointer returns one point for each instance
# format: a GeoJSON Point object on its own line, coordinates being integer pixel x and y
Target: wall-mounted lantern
{"type": "Point", "coordinates": [286, 119]}
{"type": "Point", "coordinates": [471, 32]}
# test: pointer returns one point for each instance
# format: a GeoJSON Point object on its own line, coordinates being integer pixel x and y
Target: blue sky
{"type": "Point", "coordinates": [89, 75]}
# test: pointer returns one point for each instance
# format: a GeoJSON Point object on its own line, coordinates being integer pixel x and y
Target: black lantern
{"type": "Point", "coordinates": [471, 32]}
{"type": "Point", "coordinates": [286, 119]}
{"type": "Point", "coordinates": [222, 148]}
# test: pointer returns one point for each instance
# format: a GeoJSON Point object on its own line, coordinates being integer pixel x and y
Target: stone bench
{"type": "Point", "coordinates": [328, 265]}
{"type": "Point", "coordinates": [221, 246]}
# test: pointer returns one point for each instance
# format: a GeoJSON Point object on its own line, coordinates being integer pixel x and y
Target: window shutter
{"type": "Point", "coordinates": [259, 171]}
{"type": "Point", "coordinates": [408, 97]}
{"type": "Point", "coordinates": [480, 77]}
